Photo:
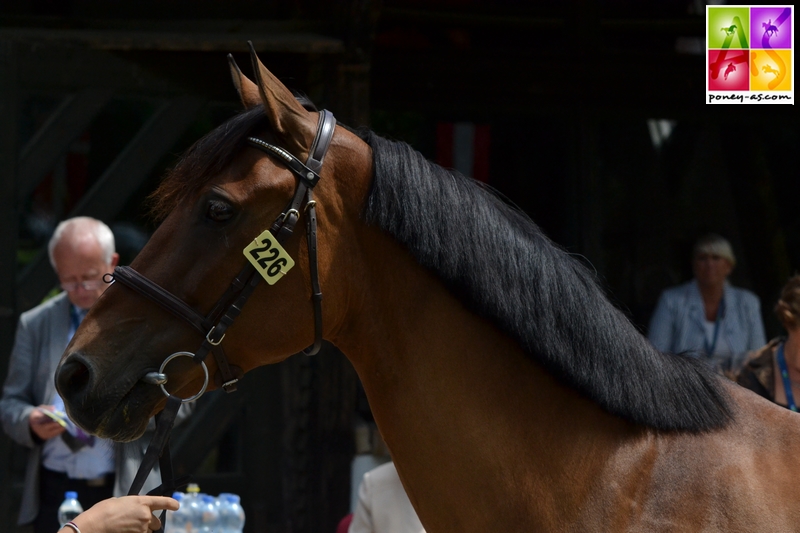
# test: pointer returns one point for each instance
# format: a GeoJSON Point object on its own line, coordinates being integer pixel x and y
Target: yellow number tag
{"type": "Point", "coordinates": [269, 257]}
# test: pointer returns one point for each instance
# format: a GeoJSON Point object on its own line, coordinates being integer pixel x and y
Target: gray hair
{"type": "Point", "coordinates": [714, 244]}
{"type": "Point", "coordinates": [92, 226]}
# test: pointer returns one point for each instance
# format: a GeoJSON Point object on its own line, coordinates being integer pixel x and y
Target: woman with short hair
{"type": "Point", "coordinates": [707, 317]}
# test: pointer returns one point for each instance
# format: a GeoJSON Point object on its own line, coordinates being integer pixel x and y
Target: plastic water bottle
{"type": "Point", "coordinates": [234, 515]}
{"type": "Point", "coordinates": [209, 517]}
{"type": "Point", "coordinates": [190, 505]}
{"type": "Point", "coordinates": [176, 520]}
{"type": "Point", "coordinates": [231, 514]}
{"type": "Point", "coordinates": [69, 508]}
{"type": "Point", "coordinates": [225, 512]}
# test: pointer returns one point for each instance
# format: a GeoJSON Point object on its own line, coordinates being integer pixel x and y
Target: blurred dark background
{"type": "Point", "coordinates": [589, 115]}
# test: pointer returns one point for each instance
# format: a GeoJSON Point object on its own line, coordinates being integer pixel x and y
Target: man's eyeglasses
{"type": "Point", "coordinates": [89, 285]}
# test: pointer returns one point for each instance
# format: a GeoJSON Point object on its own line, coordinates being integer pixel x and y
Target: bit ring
{"type": "Point", "coordinates": [205, 372]}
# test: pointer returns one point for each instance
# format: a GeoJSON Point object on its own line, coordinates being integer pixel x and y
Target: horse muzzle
{"type": "Point", "coordinates": [102, 406]}
{"type": "Point", "coordinates": [75, 377]}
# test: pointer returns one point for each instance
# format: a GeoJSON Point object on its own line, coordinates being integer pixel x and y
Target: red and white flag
{"type": "Point", "coordinates": [464, 146]}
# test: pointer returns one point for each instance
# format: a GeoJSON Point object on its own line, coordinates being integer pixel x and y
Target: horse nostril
{"type": "Point", "coordinates": [73, 379]}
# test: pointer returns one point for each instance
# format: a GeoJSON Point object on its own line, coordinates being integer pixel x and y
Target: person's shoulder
{"type": "Point", "coordinates": [44, 309]}
{"type": "Point", "coordinates": [678, 291]}
{"type": "Point", "coordinates": [757, 373]}
{"type": "Point", "coordinates": [382, 473]}
{"type": "Point", "coordinates": [763, 356]}
{"type": "Point", "coordinates": [744, 295]}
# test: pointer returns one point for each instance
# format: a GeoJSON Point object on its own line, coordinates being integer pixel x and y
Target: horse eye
{"type": "Point", "coordinates": [219, 211]}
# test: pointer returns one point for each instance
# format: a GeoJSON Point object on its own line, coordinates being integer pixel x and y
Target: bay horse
{"type": "Point", "coordinates": [512, 394]}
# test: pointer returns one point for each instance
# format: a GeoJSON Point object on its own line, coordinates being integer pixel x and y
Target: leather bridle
{"type": "Point", "coordinates": [214, 325]}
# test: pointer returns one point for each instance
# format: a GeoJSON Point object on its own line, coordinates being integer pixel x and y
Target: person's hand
{"type": "Point", "coordinates": [42, 425]}
{"type": "Point", "coordinates": [128, 514]}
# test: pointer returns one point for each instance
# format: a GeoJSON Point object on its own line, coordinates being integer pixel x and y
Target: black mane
{"type": "Point", "coordinates": [503, 268]}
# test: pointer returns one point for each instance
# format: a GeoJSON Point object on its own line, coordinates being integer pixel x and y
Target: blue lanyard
{"type": "Point", "coordinates": [787, 384]}
{"type": "Point", "coordinates": [720, 315]}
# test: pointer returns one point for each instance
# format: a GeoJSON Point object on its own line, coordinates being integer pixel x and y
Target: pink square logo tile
{"type": "Point", "coordinates": [728, 70]}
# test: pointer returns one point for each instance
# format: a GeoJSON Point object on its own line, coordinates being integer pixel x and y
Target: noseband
{"type": "Point", "coordinates": [214, 325]}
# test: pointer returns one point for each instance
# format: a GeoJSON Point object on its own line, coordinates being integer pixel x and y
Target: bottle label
{"type": "Point", "coordinates": [67, 516]}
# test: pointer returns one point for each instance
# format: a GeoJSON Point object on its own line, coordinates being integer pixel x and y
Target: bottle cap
{"type": "Point", "coordinates": [70, 495]}
{"type": "Point", "coordinates": [193, 487]}
{"type": "Point", "coordinates": [177, 496]}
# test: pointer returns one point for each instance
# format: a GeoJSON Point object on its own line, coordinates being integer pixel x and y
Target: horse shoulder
{"type": "Point", "coordinates": [731, 479]}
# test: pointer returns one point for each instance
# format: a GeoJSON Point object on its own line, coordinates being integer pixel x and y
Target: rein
{"type": "Point", "coordinates": [214, 325]}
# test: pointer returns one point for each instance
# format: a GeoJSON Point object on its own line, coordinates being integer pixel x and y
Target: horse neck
{"type": "Point", "coordinates": [459, 404]}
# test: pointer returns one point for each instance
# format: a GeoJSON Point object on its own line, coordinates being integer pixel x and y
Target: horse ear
{"type": "Point", "coordinates": [290, 119]}
{"type": "Point", "coordinates": [248, 91]}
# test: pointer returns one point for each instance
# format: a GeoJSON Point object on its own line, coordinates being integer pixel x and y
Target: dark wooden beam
{"type": "Point", "coordinates": [9, 100]}
{"type": "Point", "coordinates": [126, 40]}
{"type": "Point", "coordinates": [517, 22]}
{"type": "Point", "coordinates": [46, 67]}
{"type": "Point", "coordinates": [51, 142]}
{"type": "Point", "coordinates": [139, 158]}
{"type": "Point", "coordinates": [476, 86]}
{"type": "Point", "coordinates": [122, 178]}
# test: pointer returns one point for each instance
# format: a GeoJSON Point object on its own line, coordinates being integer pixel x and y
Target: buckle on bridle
{"type": "Point", "coordinates": [289, 212]}
{"type": "Point", "coordinates": [208, 337]}
{"type": "Point", "coordinates": [230, 386]}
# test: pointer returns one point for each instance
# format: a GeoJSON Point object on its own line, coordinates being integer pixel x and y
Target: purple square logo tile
{"type": "Point", "coordinates": [771, 27]}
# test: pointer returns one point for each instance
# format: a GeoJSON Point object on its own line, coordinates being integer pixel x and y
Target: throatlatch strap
{"type": "Point", "coordinates": [316, 292]}
{"type": "Point", "coordinates": [283, 226]}
{"type": "Point", "coordinates": [322, 141]}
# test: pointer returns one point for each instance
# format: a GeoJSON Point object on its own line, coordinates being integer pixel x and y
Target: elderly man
{"type": "Point", "coordinates": [62, 457]}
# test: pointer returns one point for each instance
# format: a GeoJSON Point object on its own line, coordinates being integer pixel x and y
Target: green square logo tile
{"type": "Point", "coordinates": [728, 27]}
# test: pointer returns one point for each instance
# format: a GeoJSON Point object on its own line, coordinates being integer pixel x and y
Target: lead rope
{"type": "Point", "coordinates": [158, 450]}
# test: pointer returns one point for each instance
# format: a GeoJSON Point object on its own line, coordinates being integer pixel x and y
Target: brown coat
{"type": "Point", "coordinates": [758, 374]}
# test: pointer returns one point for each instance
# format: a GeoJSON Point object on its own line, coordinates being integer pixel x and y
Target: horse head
{"type": "Point", "coordinates": [220, 196]}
